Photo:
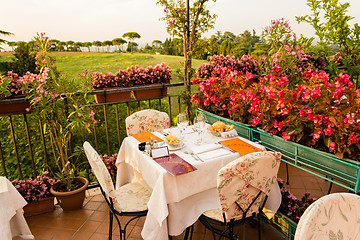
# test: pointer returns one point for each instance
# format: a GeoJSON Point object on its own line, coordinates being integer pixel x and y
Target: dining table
{"type": "Point", "coordinates": [12, 221]}
{"type": "Point", "coordinates": [177, 201]}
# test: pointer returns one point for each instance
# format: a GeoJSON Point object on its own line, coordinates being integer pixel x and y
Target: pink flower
{"type": "Point", "coordinates": [353, 138]}
{"type": "Point", "coordinates": [332, 146]}
{"type": "Point", "coordinates": [286, 136]}
{"type": "Point", "coordinates": [317, 134]}
{"type": "Point", "coordinates": [328, 131]}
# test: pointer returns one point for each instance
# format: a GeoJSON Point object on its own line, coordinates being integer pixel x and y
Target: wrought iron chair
{"type": "Point", "coordinates": [148, 120]}
{"type": "Point", "coordinates": [334, 216]}
{"type": "Point", "coordinates": [129, 200]}
{"type": "Point", "coordinates": [243, 186]}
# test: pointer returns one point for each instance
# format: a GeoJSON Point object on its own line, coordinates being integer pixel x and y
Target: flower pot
{"type": "Point", "coordinates": [346, 171]}
{"type": "Point", "coordinates": [11, 106]}
{"type": "Point", "coordinates": [243, 130]}
{"type": "Point", "coordinates": [39, 207]}
{"type": "Point", "coordinates": [282, 225]}
{"type": "Point", "coordinates": [150, 92]}
{"type": "Point", "coordinates": [108, 96]}
{"type": "Point", "coordinates": [72, 200]}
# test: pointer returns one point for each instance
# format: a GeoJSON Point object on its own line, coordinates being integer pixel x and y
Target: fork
{"type": "Point", "coordinates": [194, 156]}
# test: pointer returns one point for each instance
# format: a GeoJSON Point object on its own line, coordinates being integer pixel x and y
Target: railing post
{"type": "Point", "coordinates": [29, 141]}
{"type": "Point", "coordinates": [15, 147]}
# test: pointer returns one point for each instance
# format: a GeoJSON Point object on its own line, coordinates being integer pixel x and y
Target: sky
{"type": "Point", "coordinates": [90, 20]}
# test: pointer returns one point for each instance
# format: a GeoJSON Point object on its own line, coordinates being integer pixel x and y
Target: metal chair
{"type": "Point", "coordinates": [334, 216]}
{"type": "Point", "coordinates": [148, 120]}
{"type": "Point", "coordinates": [129, 200]}
{"type": "Point", "coordinates": [243, 186]}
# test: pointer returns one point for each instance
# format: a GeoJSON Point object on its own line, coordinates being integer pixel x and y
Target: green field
{"type": "Point", "coordinates": [74, 63]}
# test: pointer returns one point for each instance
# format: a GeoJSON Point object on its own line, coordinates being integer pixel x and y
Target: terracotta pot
{"type": "Point", "coordinates": [112, 97]}
{"type": "Point", "coordinates": [8, 107]}
{"type": "Point", "coordinates": [150, 93]}
{"type": "Point", "coordinates": [39, 207]}
{"type": "Point", "coordinates": [72, 200]}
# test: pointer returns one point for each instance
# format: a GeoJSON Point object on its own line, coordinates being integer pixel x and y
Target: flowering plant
{"type": "Point", "coordinates": [35, 189]}
{"type": "Point", "coordinates": [290, 205]}
{"type": "Point", "coordinates": [132, 76]}
{"type": "Point", "coordinates": [246, 64]}
{"type": "Point", "coordinates": [110, 164]}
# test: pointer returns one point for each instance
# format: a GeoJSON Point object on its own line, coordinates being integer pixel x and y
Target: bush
{"type": "Point", "coordinates": [24, 60]}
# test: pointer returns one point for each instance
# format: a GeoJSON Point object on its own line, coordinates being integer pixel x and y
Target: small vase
{"type": "Point", "coordinates": [39, 207]}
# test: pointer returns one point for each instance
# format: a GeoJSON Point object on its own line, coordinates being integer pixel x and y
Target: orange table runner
{"type": "Point", "coordinates": [240, 146]}
{"type": "Point", "coordinates": [144, 137]}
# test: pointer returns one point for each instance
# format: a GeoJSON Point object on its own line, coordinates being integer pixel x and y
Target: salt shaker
{"type": "Point", "coordinates": [155, 144]}
{"type": "Point", "coordinates": [147, 147]}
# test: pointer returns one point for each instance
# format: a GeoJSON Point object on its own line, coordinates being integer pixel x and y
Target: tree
{"type": "Point", "coordinates": [24, 60]}
{"type": "Point", "coordinates": [108, 44]}
{"type": "Point", "coordinates": [88, 45]}
{"type": "Point", "coordinates": [131, 36]}
{"type": "Point", "coordinates": [77, 46]}
{"type": "Point", "coordinates": [156, 43]}
{"type": "Point", "coordinates": [119, 42]}
{"type": "Point", "coordinates": [97, 44]}
{"type": "Point", "coordinates": [187, 22]}
{"type": "Point", "coordinates": [12, 45]}
{"type": "Point", "coordinates": [5, 34]}
{"type": "Point", "coordinates": [69, 45]}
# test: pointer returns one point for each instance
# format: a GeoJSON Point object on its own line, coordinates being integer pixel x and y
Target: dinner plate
{"type": "Point", "coordinates": [174, 148]}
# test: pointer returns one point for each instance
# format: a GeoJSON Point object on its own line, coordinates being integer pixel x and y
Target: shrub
{"type": "Point", "coordinates": [24, 60]}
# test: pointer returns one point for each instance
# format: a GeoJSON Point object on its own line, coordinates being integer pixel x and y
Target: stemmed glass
{"type": "Point", "coordinates": [182, 121]}
{"type": "Point", "coordinates": [199, 126]}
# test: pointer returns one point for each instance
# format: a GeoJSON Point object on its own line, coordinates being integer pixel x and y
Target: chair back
{"type": "Point", "coordinates": [148, 120]}
{"type": "Point", "coordinates": [334, 216]}
{"type": "Point", "coordinates": [99, 169]}
{"type": "Point", "coordinates": [244, 184]}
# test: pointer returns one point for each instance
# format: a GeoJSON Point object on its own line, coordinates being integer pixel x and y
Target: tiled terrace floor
{"type": "Point", "coordinates": [91, 222]}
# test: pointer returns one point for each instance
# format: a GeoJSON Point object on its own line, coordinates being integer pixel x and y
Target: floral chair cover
{"type": "Point", "coordinates": [131, 197]}
{"type": "Point", "coordinates": [241, 180]}
{"type": "Point", "coordinates": [148, 120]}
{"type": "Point", "coordinates": [332, 217]}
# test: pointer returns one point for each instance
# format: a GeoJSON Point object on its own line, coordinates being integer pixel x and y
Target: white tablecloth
{"type": "Point", "coordinates": [176, 202]}
{"type": "Point", "coordinates": [12, 221]}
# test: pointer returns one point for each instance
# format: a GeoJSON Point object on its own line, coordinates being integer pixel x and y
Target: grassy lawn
{"type": "Point", "coordinates": [74, 63]}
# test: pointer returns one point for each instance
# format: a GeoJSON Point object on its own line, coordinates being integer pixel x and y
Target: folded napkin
{"type": "Point", "coordinates": [214, 154]}
{"type": "Point", "coordinates": [229, 134]}
{"type": "Point", "coordinates": [205, 148]}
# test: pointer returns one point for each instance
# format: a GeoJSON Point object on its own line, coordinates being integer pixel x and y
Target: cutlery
{"type": "Point", "coordinates": [226, 147]}
{"type": "Point", "coordinates": [194, 156]}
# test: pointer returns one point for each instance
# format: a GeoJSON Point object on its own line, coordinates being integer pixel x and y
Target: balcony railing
{"type": "Point", "coordinates": [25, 147]}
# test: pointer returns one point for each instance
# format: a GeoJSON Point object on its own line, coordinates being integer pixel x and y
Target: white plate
{"type": "Point", "coordinates": [174, 148]}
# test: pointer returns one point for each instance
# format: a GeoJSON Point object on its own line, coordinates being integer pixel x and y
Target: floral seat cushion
{"type": "Point", "coordinates": [335, 217]}
{"type": "Point", "coordinates": [242, 179]}
{"type": "Point", "coordinates": [148, 120]}
{"type": "Point", "coordinates": [132, 197]}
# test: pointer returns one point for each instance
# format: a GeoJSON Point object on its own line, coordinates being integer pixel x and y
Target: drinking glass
{"type": "Point", "coordinates": [200, 126]}
{"type": "Point", "coordinates": [182, 121]}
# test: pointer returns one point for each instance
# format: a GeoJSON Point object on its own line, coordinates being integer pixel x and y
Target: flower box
{"type": "Point", "coordinates": [16, 105]}
{"type": "Point", "coordinates": [39, 207]}
{"type": "Point", "coordinates": [345, 171]}
{"type": "Point", "coordinates": [111, 95]}
{"type": "Point", "coordinates": [151, 91]}
{"type": "Point", "coordinates": [281, 224]}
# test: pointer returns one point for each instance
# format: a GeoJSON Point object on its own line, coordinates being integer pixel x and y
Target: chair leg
{"type": "Point", "coordinates": [188, 233]}
{"type": "Point", "coordinates": [110, 224]}
{"type": "Point", "coordinates": [259, 227]}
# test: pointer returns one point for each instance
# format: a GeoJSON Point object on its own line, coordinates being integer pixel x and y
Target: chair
{"type": "Point", "coordinates": [243, 186]}
{"type": "Point", "coordinates": [148, 120]}
{"type": "Point", "coordinates": [334, 216]}
{"type": "Point", "coordinates": [129, 200]}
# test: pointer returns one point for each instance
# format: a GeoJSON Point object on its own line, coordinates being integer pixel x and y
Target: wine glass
{"type": "Point", "coordinates": [199, 126]}
{"type": "Point", "coordinates": [182, 121]}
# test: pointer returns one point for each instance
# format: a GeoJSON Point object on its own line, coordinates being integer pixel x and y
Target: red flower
{"type": "Point", "coordinates": [353, 138]}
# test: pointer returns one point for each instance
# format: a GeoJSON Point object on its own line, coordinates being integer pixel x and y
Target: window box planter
{"type": "Point", "coordinates": [111, 95]}
{"type": "Point", "coordinates": [150, 91]}
{"type": "Point", "coordinates": [39, 207]}
{"type": "Point", "coordinates": [281, 224]}
{"type": "Point", "coordinates": [345, 171]}
{"type": "Point", "coordinates": [14, 105]}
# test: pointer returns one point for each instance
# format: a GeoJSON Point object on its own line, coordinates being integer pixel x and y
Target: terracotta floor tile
{"type": "Point", "coordinates": [98, 198]}
{"type": "Point", "coordinates": [99, 236]}
{"type": "Point", "coordinates": [58, 222]}
{"type": "Point", "coordinates": [83, 214]}
{"type": "Point", "coordinates": [124, 220]}
{"type": "Point", "coordinates": [90, 226]}
{"type": "Point", "coordinates": [91, 205]}
{"type": "Point", "coordinates": [74, 224]}
{"type": "Point", "coordinates": [99, 216]}
{"type": "Point", "coordinates": [42, 221]}
{"type": "Point", "coordinates": [47, 233]}
{"type": "Point", "coordinates": [68, 214]}
{"type": "Point", "coordinates": [103, 207]}
{"type": "Point", "coordinates": [82, 236]}
{"type": "Point", "coordinates": [136, 232]}
{"type": "Point", "coordinates": [64, 234]}
{"type": "Point", "coordinates": [104, 228]}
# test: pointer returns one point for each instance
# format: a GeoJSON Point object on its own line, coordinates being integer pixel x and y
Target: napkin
{"type": "Point", "coordinates": [176, 131]}
{"type": "Point", "coordinates": [213, 154]}
{"type": "Point", "coordinates": [205, 148]}
{"type": "Point", "coordinates": [229, 134]}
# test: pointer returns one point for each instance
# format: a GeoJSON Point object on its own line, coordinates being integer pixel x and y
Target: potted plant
{"type": "Point", "coordinates": [12, 100]}
{"type": "Point", "coordinates": [37, 193]}
{"type": "Point", "coordinates": [111, 85]}
{"type": "Point", "coordinates": [62, 117]}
